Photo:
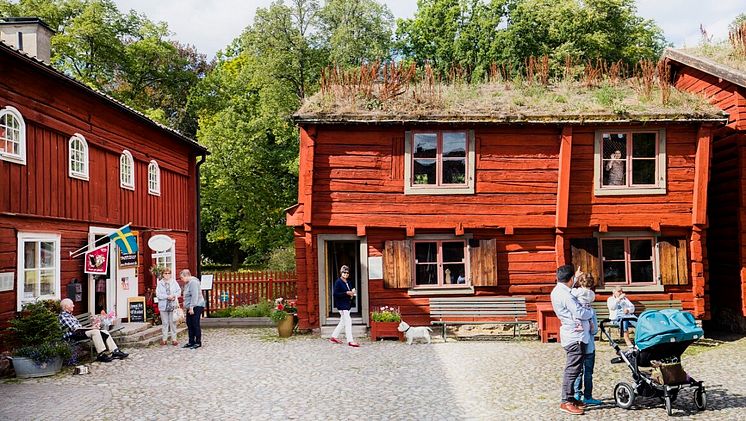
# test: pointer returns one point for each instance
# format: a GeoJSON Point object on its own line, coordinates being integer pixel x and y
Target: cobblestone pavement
{"type": "Point", "coordinates": [251, 374]}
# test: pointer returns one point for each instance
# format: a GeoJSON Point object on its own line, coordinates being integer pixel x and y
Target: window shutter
{"type": "Point", "coordinates": [673, 261]}
{"type": "Point", "coordinates": [483, 263]}
{"type": "Point", "coordinates": [585, 256]}
{"type": "Point", "coordinates": [397, 264]}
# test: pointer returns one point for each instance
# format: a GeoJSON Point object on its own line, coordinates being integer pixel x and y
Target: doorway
{"type": "Point", "coordinates": [102, 288]}
{"type": "Point", "coordinates": [334, 251]}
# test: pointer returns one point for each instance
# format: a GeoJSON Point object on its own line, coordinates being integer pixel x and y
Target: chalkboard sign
{"type": "Point", "coordinates": [127, 260]}
{"type": "Point", "coordinates": [136, 309]}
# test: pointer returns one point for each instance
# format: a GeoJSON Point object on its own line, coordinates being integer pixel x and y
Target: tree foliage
{"type": "Point", "coordinates": [473, 34]}
{"type": "Point", "coordinates": [124, 55]}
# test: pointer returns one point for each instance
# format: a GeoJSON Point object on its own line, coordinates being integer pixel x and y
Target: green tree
{"type": "Point", "coordinates": [356, 31]}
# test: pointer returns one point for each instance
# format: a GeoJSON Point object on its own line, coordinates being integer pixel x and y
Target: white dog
{"type": "Point", "coordinates": [414, 332]}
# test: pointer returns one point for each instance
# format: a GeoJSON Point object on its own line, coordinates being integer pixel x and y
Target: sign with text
{"type": "Point", "coordinates": [136, 309]}
{"type": "Point", "coordinates": [206, 282]}
{"type": "Point", "coordinates": [129, 260]}
{"type": "Point", "coordinates": [97, 260]}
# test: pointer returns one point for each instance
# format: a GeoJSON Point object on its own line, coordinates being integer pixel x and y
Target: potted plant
{"type": "Point", "coordinates": [383, 323]}
{"type": "Point", "coordinates": [284, 316]}
{"type": "Point", "coordinates": [39, 347]}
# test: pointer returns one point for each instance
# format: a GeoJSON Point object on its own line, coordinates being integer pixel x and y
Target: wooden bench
{"type": "Point", "coordinates": [85, 322]}
{"type": "Point", "coordinates": [602, 310]}
{"type": "Point", "coordinates": [464, 311]}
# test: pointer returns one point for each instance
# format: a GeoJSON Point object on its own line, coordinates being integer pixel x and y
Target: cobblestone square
{"type": "Point", "coordinates": [251, 374]}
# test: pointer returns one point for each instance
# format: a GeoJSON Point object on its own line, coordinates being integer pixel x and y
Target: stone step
{"type": "Point", "coordinates": [141, 335]}
{"type": "Point", "coordinates": [130, 329]}
{"type": "Point", "coordinates": [151, 339]}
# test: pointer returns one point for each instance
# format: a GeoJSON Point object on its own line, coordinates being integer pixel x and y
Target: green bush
{"type": "Point", "coordinates": [282, 258]}
{"type": "Point", "coordinates": [223, 312]}
{"type": "Point", "coordinates": [38, 334]}
{"type": "Point", "coordinates": [253, 310]}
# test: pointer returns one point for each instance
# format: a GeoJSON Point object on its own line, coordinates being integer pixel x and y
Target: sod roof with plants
{"type": "Point", "coordinates": [726, 59]}
{"type": "Point", "coordinates": [590, 92]}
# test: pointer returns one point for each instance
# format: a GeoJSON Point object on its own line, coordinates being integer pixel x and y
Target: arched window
{"type": "Point", "coordinates": [12, 136]}
{"type": "Point", "coordinates": [127, 171]}
{"type": "Point", "coordinates": [154, 179]}
{"type": "Point", "coordinates": [78, 157]}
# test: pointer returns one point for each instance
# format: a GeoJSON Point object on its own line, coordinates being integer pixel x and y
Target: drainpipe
{"type": "Point", "coordinates": [199, 219]}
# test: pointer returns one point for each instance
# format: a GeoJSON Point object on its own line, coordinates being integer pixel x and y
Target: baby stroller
{"type": "Point", "coordinates": [661, 337]}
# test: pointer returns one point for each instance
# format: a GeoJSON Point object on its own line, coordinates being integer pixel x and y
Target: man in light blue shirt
{"type": "Point", "coordinates": [569, 311]}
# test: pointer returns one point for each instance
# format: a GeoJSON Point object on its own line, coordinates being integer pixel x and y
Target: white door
{"type": "Point", "coordinates": [102, 289]}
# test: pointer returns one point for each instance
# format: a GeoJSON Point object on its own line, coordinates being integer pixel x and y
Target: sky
{"type": "Point", "coordinates": [210, 25]}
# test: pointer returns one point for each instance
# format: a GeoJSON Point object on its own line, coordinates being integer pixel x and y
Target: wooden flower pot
{"type": "Point", "coordinates": [384, 330]}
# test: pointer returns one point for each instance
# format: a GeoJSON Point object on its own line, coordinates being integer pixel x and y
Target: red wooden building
{"type": "Point", "coordinates": [444, 203]}
{"type": "Point", "coordinates": [75, 164]}
{"type": "Point", "coordinates": [724, 87]}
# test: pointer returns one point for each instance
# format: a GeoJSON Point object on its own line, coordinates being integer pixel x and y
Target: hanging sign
{"type": "Point", "coordinates": [97, 260]}
{"type": "Point", "coordinates": [129, 260]}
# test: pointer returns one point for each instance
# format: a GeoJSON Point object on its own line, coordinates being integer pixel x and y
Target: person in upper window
{"type": "Point", "coordinates": [73, 330]}
{"type": "Point", "coordinates": [622, 311]}
{"type": "Point", "coordinates": [615, 169]}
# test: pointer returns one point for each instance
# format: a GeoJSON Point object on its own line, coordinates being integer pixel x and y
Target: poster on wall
{"type": "Point", "coordinates": [97, 260]}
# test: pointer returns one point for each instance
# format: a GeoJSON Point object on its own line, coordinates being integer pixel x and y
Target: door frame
{"type": "Point", "coordinates": [111, 283]}
{"type": "Point", "coordinates": [321, 240]}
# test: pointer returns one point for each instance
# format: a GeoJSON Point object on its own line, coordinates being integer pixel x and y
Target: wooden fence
{"type": "Point", "coordinates": [231, 289]}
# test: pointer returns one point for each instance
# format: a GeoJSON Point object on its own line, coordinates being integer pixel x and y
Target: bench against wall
{"type": "Point", "coordinates": [85, 322]}
{"type": "Point", "coordinates": [602, 310]}
{"type": "Point", "coordinates": [478, 310]}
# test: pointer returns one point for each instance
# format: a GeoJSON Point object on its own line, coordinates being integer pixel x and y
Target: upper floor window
{"type": "Point", "coordinates": [127, 171]}
{"type": "Point", "coordinates": [154, 179]}
{"type": "Point", "coordinates": [440, 263]}
{"type": "Point", "coordinates": [78, 157]}
{"type": "Point", "coordinates": [630, 162]}
{"type": "Point", "coordinates": [439, 162]}
{"type": "Point", "coordinates": [12, 136]}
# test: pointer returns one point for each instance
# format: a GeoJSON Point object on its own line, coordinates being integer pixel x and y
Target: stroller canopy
{"type": "Point", "coordinates": [656, 327]}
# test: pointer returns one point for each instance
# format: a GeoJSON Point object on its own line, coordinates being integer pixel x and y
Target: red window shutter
{"type": "Point", "coordinates": [397, 264]}
{"type": "Point", "coordinates": [585, 256]}
{"type": "Point", "coordinates": [673, 261]}
{"type": "Point", "coordinates": [483, 263]}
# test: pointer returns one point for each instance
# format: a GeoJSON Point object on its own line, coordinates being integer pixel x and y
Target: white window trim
{"type": "Point", "coordinates": [157, 190]}
{"type": "Point", "coordinates": [21, 157]}
{"type": "Point", "coordinates": [36, 236]}
{"type": "Point", "coordinates": [170, 252]}
{"type": "Point", "coordinates": [82, 175]}
{"type": "Point", "coordinates": [659, 188]}
{"type": "Point", "coordinates": [470, 168]}
{"type": "Point", "coordinates": [123, 183]}
{"type": "Point", "coordinates": [657, 287]}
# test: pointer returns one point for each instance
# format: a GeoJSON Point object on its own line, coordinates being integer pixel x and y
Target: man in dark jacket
{"type": "Point", "coordinates": [343, 302]}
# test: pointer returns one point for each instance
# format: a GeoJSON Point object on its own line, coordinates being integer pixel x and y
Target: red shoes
{"type": "Point", "coordinates": [571, 408]}
{"type": "Point", "coordinates": [335, 340]}
{"type": "Point", "coordinates": [175, 343]}
{"type": "Point", "coordinates": [354, 344]}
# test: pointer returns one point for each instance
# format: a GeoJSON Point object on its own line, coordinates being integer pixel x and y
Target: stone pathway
{"type": "Point", "coordinates": [251, 374]}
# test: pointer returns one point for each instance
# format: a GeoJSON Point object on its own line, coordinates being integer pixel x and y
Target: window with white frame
{"type": "Point", "coordinates": [630, 162]}
{"type": "Point", "coordinates": [439, 162]}
{"type": "Point", "coordinates": [166, 258]}
{"type": "Point", "coordinates": [38, 267]}
{"type": "Point", "coordinates": [628, 261]}
{"type": "Point", "coordinates": [127, 171]}
{"type": "Point", "coordinates": [440, 263]}
{"type": "Point", "coordinates": [12, 136]}
{"type": "Point", "coordinates": [78, 157]}
{"type": "Point", "coordinates": [154, 179]}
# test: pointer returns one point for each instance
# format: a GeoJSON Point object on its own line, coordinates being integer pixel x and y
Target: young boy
{"type": "Point", "coordinates": [586, 296]}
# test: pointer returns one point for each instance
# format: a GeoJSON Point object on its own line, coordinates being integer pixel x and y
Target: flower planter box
{"type": "Point", "coordinates": [384, 330]}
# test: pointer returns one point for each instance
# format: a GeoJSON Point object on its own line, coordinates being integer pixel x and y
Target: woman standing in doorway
{"type": "Point", "coordinates": [168, 292]}
{"type": "Point", "coordinates": [343, 302]}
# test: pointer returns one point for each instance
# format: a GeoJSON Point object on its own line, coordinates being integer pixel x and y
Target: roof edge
{"type": "Point", "coordinates": [706, 65]}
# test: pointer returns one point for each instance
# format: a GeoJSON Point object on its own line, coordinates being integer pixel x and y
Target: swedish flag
{"type": "Point", "coordinates": [125, 240]}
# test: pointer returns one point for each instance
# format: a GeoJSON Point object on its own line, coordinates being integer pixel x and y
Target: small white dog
{"type": "Point", "coordinates": [414, 332]}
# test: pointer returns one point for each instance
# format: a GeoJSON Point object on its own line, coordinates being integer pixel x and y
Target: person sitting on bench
{"type": "Point", "coordinates": [73, 330]}
{"type": "Point", "coordinates": [622, 311]}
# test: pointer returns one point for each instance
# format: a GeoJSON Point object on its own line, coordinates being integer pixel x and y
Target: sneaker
{"type": "Point", "coordinates": [591, 401]}
{"type": "Point", "coordinates": [578, 396]}
{"type": "Point", "coordinates": [335, 340]}
{"type": "Point", "coordinates": [119, 354]}
{"type": "Point", "coordinates": [195, 346]}
{"type": "Point", "coordinates": [104, 358]}
{"type": "Point", "coordinates": [579, 404]}
{"type": "Point", "coordinates": [353, 344]}
{"type": "Point", "coordinates": [188, 345]}
{"type": "Point", "coordinates": [570, 408]}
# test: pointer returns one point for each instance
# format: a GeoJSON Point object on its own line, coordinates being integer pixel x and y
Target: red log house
{"type": "Point", "coordinates": [724, 87]}
{"type": "Point", "coordinates": [74, 165]}
{"type": "Point", "coordinates": [489, 204]}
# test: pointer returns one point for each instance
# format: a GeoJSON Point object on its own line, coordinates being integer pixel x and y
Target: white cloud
{"type": "Point", "coordinates": [210, 25]}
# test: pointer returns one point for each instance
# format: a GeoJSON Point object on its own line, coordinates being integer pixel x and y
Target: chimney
{"type": "Point", "coordinates": [30, 35]}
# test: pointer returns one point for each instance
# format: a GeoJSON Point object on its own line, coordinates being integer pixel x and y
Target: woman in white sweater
{"type": "Point", "coordinates": [622, 311]}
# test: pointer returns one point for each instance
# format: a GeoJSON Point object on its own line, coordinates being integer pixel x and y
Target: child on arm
{"type": "Point", "coordinates": [586, 296]}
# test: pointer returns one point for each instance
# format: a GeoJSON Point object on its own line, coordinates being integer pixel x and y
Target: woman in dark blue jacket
{"type": "Point", "coordinates": [343, 302]}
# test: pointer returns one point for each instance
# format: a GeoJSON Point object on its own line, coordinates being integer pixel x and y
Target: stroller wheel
{"type": "Point", "coordinates": [669, 409]}
{"type": "Point", "coordinates": [700, 398]}
{"type": "Point", "coordinates": [624, 395]}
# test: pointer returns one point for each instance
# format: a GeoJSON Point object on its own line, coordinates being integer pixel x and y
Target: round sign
{"type": "Point", "coordinates": [160, 242]}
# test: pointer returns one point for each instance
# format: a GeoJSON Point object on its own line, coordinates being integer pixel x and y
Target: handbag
{"type": "Point", "coordinates": [179, 315]}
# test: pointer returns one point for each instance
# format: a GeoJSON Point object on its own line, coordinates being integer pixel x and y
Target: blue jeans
{"type": "Point", "coordinates": [626, 322]}
{"type": "Point", "coordinates": [586, 377]}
